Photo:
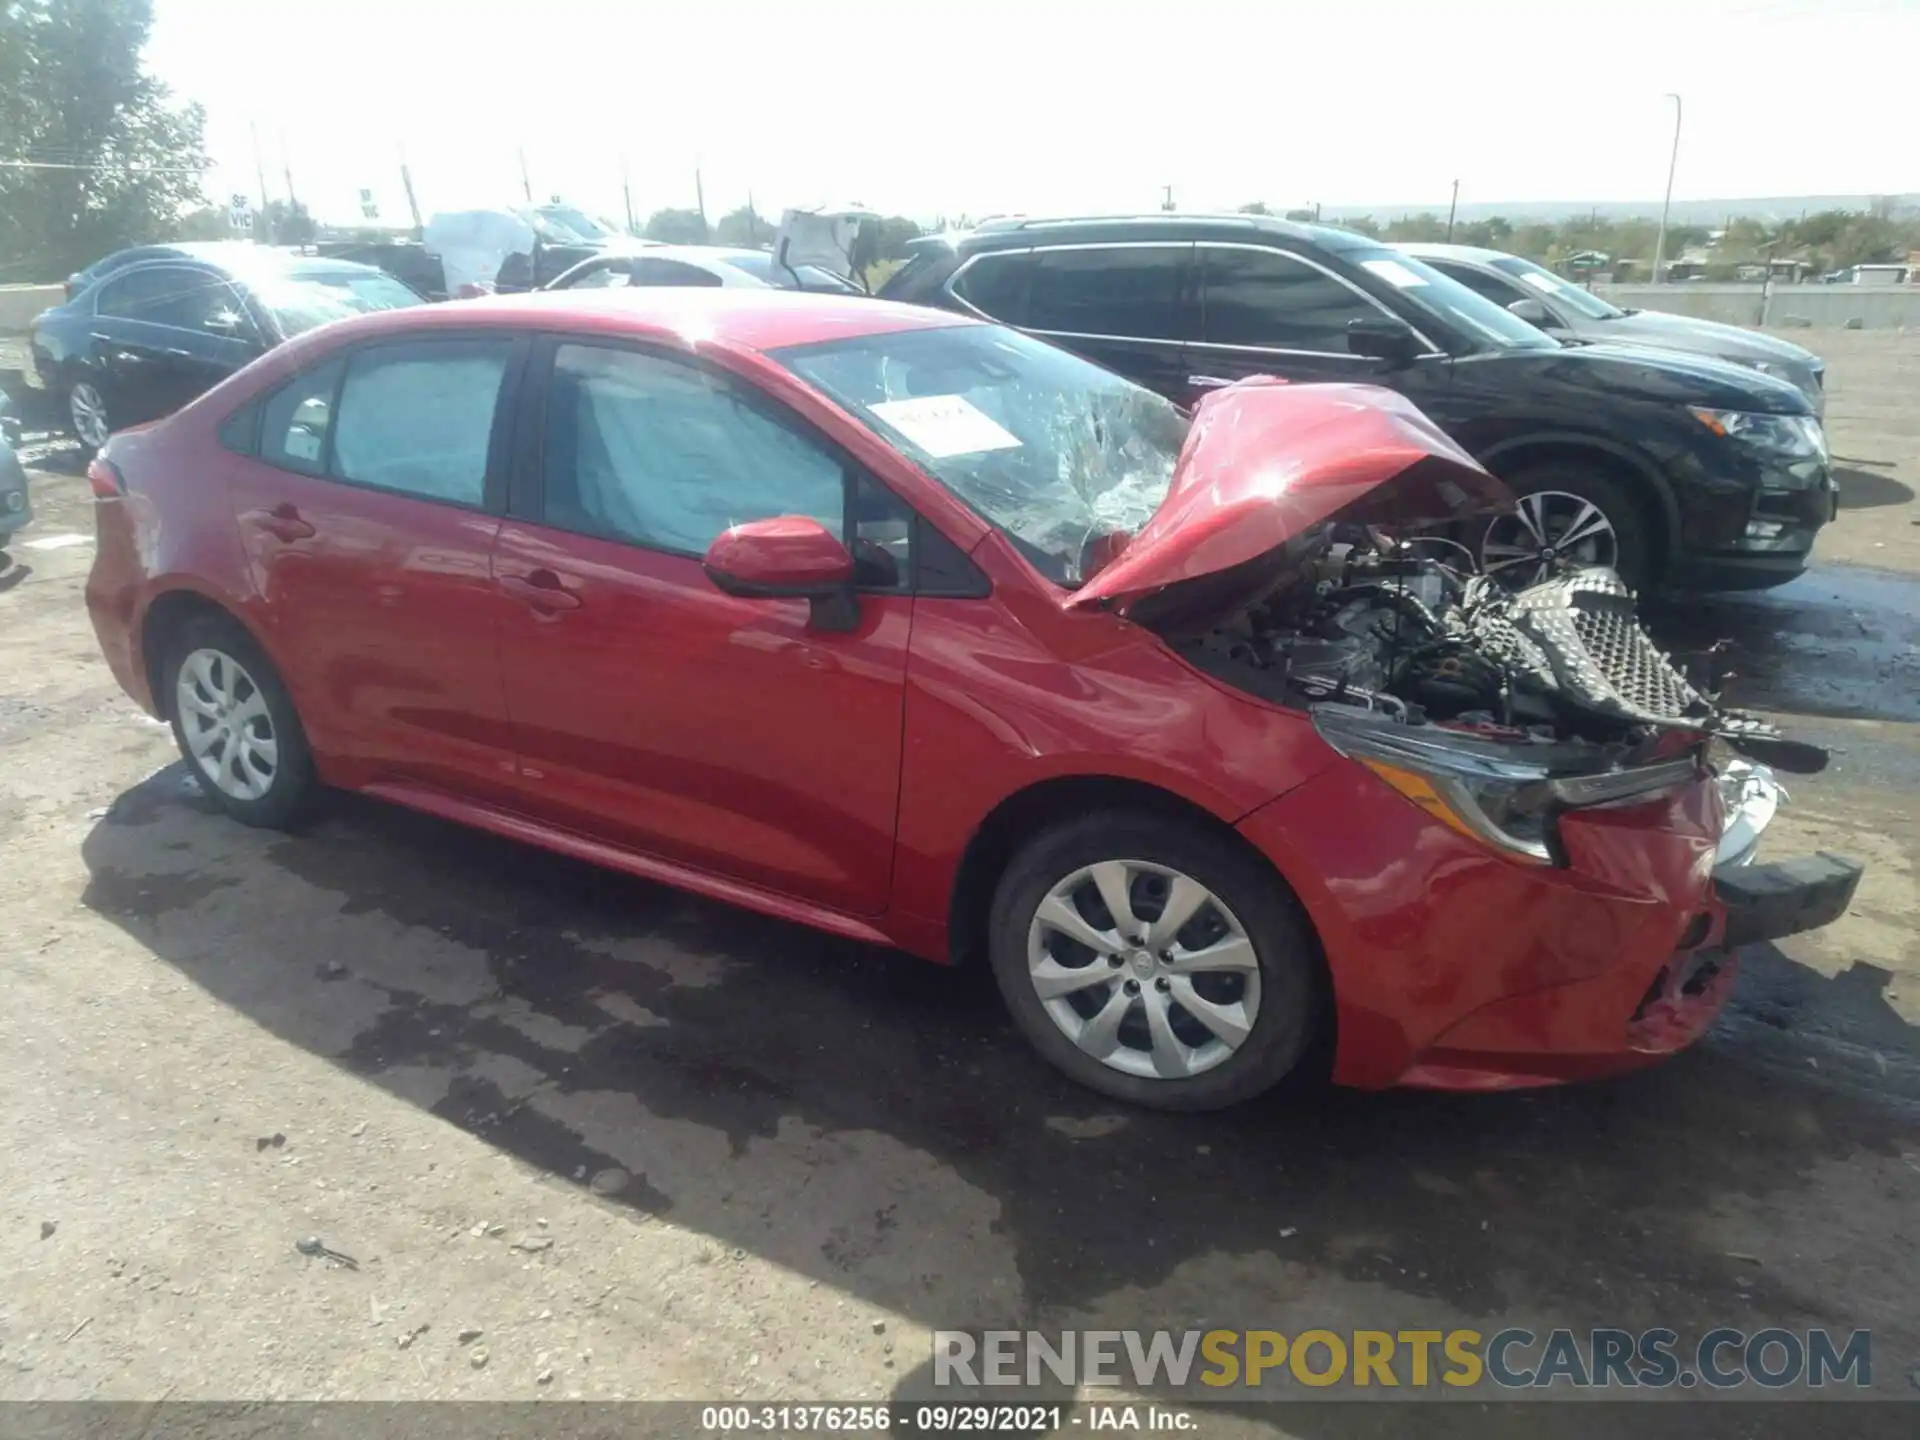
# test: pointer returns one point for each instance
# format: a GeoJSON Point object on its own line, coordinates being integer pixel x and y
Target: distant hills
{"type": "Point", "coordinates": [1685, 212]}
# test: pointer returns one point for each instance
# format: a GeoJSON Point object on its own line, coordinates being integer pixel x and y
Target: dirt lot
{"type": "Point", "coordinates": [652, 1147]}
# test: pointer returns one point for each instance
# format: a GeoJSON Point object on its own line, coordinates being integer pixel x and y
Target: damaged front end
{"type": "Point", "coordinates": [1300, 556]}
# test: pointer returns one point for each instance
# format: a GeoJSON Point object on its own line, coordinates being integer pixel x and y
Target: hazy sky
{"type": "Point", "coordinates": [981, 106]}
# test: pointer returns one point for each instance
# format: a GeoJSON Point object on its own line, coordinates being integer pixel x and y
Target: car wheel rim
{"type": "Point", "coordinates": [228, 728]}
{"type": "Point", "coordinates": [1548, 529]}
{"type": "Point", "coordinates": [1144, 969]}
{"type": "Point", "coordinates": [89, 413]}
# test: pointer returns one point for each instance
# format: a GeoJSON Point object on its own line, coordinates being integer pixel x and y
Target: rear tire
{"type": "Point", "coordinates": [88, 412]}
{"type": "Point", "coordinates": [1212, 1013]}
{"type": "Point", "coordinates": [1618, 530]}
{"type": "Point", "coordinates": [236, 726]}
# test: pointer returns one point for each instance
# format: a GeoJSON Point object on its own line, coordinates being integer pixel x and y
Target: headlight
{"type": "Point", "coordinates": [1502, 795]}
{"type": "Point", "coordinates": [1797, 437]}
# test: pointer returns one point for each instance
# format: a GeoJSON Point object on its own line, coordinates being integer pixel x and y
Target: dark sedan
{"type": "Point", "coordinates": [144, 339]}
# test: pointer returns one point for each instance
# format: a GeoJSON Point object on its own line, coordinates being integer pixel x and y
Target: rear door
{"type": "Point", "coordinates": [1129, 307]}
{"type": "Point", "coordinates": [367, 510]}
{"type": "Point", "coordinates": [650, 709]}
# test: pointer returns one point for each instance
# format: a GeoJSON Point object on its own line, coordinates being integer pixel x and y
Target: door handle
{"type": "Point", "coordinates": [1208, 382]}
{"type": "Point", "coordinates": [542, 590]}
{"type": "Point", "coordinates": [283, 522]}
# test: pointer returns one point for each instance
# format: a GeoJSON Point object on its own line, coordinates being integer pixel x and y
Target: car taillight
{"type": "Point", "coordinates": [105, 478]}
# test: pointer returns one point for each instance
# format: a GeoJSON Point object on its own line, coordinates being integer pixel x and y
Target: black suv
{"type": "Point", "coordinates": [1680, 471]}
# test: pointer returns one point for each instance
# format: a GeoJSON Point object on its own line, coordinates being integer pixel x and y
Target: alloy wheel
{"type": "Point", "coordinates": [1547, 529]}
{"type": "Point", "coordinates": [228, 728]}
{"type": "Point", "coordinates": [1144, 968]}
{"type": "Point", "coordinates": [88, 412]}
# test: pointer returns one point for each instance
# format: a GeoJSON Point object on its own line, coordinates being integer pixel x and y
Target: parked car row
{"type": "Point", "coordinates": [1683, 454]}
{"type": "Point", "coordinates": [924, 631]}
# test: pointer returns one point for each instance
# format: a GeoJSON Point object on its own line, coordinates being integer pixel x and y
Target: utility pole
{"type": "Point", "coordinates": [286, 169]}
{"type": "Point", "coordinates": [260, 172]}
{"type": "Point", "coordinates": [526, 185]}
{"type": "Point", "coordinates": [1660, 242]}
{"type": "Point", "coordinates": [699, 195]}
{"type": "Point", "coordinates": [1452, 206]}
{"type": "Point", "coordinates": [626, 193]}
{"type": "Point", "coordinates": [1167, 203]}
{"type": "Point", "coordinates": [406, 183]}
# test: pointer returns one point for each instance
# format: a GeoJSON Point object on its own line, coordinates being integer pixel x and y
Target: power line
{"type": "Point", "coordinates": [103, 165]}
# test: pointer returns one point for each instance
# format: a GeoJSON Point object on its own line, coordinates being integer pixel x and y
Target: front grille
{"type": "Point", "coordinates": [1585, 624]}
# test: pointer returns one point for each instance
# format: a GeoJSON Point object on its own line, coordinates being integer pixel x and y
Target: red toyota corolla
{"type": "Point", "coordinates": [923, 632]}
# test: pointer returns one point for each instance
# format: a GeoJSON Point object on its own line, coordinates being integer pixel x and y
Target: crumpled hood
{"type": "Point", "coordinates": [1266, 460]}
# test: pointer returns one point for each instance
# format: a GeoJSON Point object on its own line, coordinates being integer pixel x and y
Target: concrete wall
{"type": "Point", "coordinates": [20, 303]}
{"type": "Point", "coordinates": [1826, 307]}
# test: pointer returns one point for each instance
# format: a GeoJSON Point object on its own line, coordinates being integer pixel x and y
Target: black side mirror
{"type": "Point", "coordinates": [1383, 338]}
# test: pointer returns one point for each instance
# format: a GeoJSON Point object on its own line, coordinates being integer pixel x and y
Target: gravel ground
{"type": "Point", "coordinates": [651, 1147]}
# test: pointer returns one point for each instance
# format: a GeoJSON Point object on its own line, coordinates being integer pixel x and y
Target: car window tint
{"type": "Point", "coordinates": [167, 295]}
{"type": "Point", "coordinates": [294, 421]}
{"type": "Point", "coordinates": [996, 285]}
{"type": "Point", "coordinates": [1129, 290]}
{"type": "Point", "coordinates": [669, 272]}
{"type": "Point", "coordinates": [1501, 292]}
{"type": "Point", "coordinates": [418, 418]}
{"type": "Point", "coordinates": [601, 276]}
{"type": "Point", "coordinates": [652, 451]}
{"type": "Point", "coordinates": [1262, 297]}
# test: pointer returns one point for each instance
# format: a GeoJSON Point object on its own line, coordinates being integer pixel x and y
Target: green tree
{"type": "Point", "coordinates": [677, 227]}
{"type": "Point", "coordinates": [1255, 207]}
{"type": "Point", "coordinates": [73, 94]}
{"type": "Point", "coordinates": [745, 226]}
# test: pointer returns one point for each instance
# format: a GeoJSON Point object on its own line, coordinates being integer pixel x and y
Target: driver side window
{"type": "Point", "coordinates": [657, 453]}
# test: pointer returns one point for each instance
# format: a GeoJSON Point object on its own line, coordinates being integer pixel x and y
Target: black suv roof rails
{"type": "Point", "coordinates": [998, 223]}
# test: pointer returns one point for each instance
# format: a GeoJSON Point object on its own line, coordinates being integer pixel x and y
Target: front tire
{"type": "Point", "coordinates": [1568, 514]}
{"type": "Point", "coordinates": [1154, 961]}
{"type": "Point", "coordinates": [236, 726]}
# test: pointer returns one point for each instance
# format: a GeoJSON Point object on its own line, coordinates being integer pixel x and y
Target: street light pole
{"type": "Point", "coordinates": [1452, 205]}
{"type": "Point", "coordinates": [1660, 244]}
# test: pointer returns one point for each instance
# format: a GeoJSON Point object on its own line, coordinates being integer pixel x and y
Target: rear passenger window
{"type": "Point", "coordinates": [996, 285]}
{"type": "Point", "coordinates": [1126, 290]}
{"type": "Point", "coordinates": [295, 419]}
{"type": "Point", "coordinates": [418, 418]}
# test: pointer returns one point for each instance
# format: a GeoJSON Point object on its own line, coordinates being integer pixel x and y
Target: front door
{"type": "Point", "coordinates": [368, 514]}
{"type": "Point", "coordinates": [655, 712]}
{"type": "Point", "coordinates": [1270, 312]}
{"type": "Point", "coordinates": [164, 334]}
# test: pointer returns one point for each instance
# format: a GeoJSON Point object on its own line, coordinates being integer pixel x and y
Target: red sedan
{"type": "Point", "coordinates": [925, 633]}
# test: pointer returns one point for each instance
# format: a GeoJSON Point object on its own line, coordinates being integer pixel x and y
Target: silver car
{"type": "Point", "coordinates": [1565, 310]}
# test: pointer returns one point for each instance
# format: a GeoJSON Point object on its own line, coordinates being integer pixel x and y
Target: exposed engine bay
{"type": "Point", "coordinates": [1357, 619]}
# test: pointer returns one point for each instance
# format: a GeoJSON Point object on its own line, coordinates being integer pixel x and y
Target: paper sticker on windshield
{"type": "Point", "coordinates": [945, 425]}
{"type": "Point", "coordinates": [1394, 273]}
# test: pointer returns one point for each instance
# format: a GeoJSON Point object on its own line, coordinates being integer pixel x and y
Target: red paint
{"type": "Point", "coordinates": [1265, 460]}
{"type": "Point", "coordinates": [612, 703]}
{"type": "Point", "coordinates": [789, 554]}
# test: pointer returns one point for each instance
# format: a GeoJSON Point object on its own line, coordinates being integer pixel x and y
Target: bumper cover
{"type": "Point", "coordinates": [1767, 902]}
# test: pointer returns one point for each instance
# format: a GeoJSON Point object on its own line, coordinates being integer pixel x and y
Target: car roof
{"type": "Point", "coordinates": [742, 319]}
{"type": "Point", "coordinates": [1430, 250]}
{"type": "Point", "coordinates": [1019, 231]}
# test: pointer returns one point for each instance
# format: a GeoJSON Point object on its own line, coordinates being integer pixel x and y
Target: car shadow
{"type": "Point", "coordinates": [1864, 490]}
{"type": "Point", "coordinates": [874, 1123]}
{"type": "Point", "coordinates": [12, 572]}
